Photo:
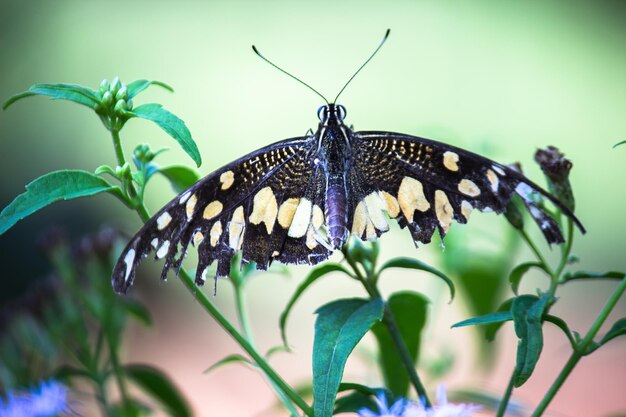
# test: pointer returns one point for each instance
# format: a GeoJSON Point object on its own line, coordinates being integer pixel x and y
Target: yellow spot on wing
{"type": "Point", "coordinates": [360, 219]}
{"type": "Point", "coordinates": [236, 229]}
{"type": "Point", "coordinates": [264, 209]}
{"type": "Point", "coordinates": [216, 232]}
{"type": "Point", "coordinates": [311, 242]}
{"type": "Point", "coordinates": [468, 187]}
{"type": "Point", "coordinates": [466, 209]}
{"type": "Point", "coordinates": [317, 219]}
{"type": "Point", "coordinates": [374, 206]}
{"type": "Point", "coordinates": [212, 209]}
{"type": "Point", "coordinates": [197, 238]}
{"type": "Point", "coordinates": [443, 210]}
{"type": "Point", "coordinates": [493, 180]}
{"type": "Point", "coordinates": [190, 206]}
{"type": "Point", "coordinates": [227, 178]}
{"type": "Point", "coordinates": [450, 160]}
{"type": "Point", "coordinates": [301, 219]}
{"type": "Point", "coordinates": [287, 211]}
{"type": "Point", "coordinates": [411, 197]}
{"type": "Point", "coordinates": [391, 204]}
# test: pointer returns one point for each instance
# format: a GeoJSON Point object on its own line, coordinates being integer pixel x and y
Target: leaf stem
{"type": "Point", "coordinates": [581, 349]}
{"type": "Point", "coordinates": [507, 396]}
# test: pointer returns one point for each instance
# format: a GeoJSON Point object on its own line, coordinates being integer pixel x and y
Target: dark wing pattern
{"type": "Point", "coordinates": [425, 185]}
{"type": "Point", "coordinates": [269, 204]}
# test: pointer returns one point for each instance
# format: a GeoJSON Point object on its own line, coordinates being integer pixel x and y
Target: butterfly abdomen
{"type": "Point", "coordinates": [336, 212]}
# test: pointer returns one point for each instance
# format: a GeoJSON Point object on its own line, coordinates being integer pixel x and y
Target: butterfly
{"type": "Point", "coordinates": [298, 200]}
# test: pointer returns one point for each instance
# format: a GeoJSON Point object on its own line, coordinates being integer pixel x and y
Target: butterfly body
{"type": "Point", "coordinates": [298, 200]}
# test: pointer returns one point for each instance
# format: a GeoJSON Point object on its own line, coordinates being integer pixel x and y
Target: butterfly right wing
{"type": "Point", "coordinates": [266, 204]}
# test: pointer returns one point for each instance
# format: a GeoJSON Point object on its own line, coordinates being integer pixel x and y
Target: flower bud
{"type": "Point", "coordinates": [141, 151]}
{"type": "Point", "coordinates": [556, 168]}
{"type": "Point", "coordinates": [122, 94]}
{"type": "Point", "coordinates": [120, 107]}
{"type": "Point", "coordinates": [104, 86]}
{"type": "Point", "coordinates": [122, 171]}
{"type": "Point", "coordinates": [107, 98]}
{"type": "Point", "coordinates": [115, 85]}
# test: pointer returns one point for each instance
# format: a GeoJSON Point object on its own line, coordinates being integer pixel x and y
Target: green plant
{"type": "Point", "coordinates": [396, 322]}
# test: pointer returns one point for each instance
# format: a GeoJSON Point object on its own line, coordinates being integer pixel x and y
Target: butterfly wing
{"type": "Point", "coordinates": [263, 204]}
{"type": "Point", "coordinates": [425, 185]}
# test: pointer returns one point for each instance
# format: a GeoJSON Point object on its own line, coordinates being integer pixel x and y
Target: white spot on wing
{"type": "Point", "coordinates": [184, 197]}
{"type": "Point", "coordinates": [163, 220]}
{"type": "Point", "coordinates": [498, 170]}
{"type": "Point", "coordinates": [154, 242]}
{"type": "Point", "coordinates": [163, 249]}
{"type": "Point", "coordinates": [128, 260]}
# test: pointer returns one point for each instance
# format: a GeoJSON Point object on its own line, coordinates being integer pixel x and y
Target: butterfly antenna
{"type": "Point", "coordinates": [365, 63]}
{"type": "Point", "coordinates": [256, 51]}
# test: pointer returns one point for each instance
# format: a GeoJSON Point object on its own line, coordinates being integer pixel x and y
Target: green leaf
{"type": "Point", "coordinates": [338, 328]}
{"type": "Point", "coordinates": [172, 125]}
{"type": "Point", "coordinates": [180, 177]}
{"type": "Point", "coordinates": [560, 323]}
{"type": "Point", "coordinates": [361, 396]}
{"type": "Point", "coordinates": [50, 188]}
{"type": "Point", "coordinates": [518, 272]}
{"type": "Point", "coordinates": [571, 276]}
{"type": "Point", "coordinates": [411, 263]}
{"type": "Point", "coordinates": [527, 311]}
{"type": "Point", "coordinates": [619, 143]}
{"type": "Point", "coordinates": [66, 372]}
{"type": "Point", "coordinates": [234, 358]}
{"type": "Point", "coordinates": [492, 328]}
{"type": "Point", "coordinates": [497, 317]}
{"type": "Point", "coordinates": [160, 387]}
{"type": "Point", "coordinates": [137, 310]}
{"type": "Point", "coordinates": [138, 86]}
{"type": "Point", "coordinates": [316, 273]}
{"type": "Point", "coordinates": [75, 93]}
{"type": "Point", "coordinates": [409, 310]}
{"type": "Point", "coordinates": [618, 329]}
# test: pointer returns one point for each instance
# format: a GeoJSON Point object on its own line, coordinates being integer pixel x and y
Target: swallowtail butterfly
{"type": "Point", "coordinates": [298, 200]}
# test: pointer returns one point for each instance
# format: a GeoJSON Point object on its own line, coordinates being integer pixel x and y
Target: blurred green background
{"type": "Point", "coordinates": [498, 78]}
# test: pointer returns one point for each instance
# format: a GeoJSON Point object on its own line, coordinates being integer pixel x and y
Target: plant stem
{"type": "Point", "coordinates": [242, 314]}
{"type": "Point", "coordinates": [244, 322]}
{"type": "Point", "coordinates": [507, 396]}
{"type": "Point", "coordinates": [582, 348]}
{"type": "Point", "coordinates": [117, 144]}
{"type": "Point", "coordinates": [246, 346]}
{"type": "Point", "coordinates": [390, 322]}
{"type": "Point", "coordinates": [117, 371]}
{"type": "Point", "coordinates": [536, 252]}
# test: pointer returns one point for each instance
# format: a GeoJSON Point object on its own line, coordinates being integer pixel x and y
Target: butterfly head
{"type": "Point", "coordinates": [331, 113]}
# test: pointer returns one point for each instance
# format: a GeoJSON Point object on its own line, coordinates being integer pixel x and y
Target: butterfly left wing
{"type": "Point", "coordinates": [426, 184]}
{"type": "Point", "coordinates": [267, 204]}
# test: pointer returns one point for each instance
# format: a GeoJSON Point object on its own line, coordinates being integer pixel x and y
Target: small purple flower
{"type": "Point", "coordinates": [46, 400]}
{"type": "Point", "coordinates": [396, 410]}
{"type": "Point", "coordinates": [442, 409]}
